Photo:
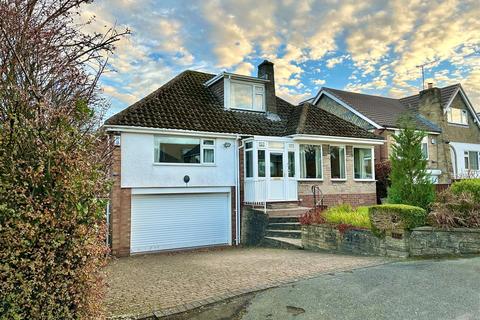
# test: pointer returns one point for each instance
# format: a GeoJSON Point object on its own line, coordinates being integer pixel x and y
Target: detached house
{"type": "Point", "coordinates": [191, 155]}
{"type": "Point", "coordinates": [452, 144]}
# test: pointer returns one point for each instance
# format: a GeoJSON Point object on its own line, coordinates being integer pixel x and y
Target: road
{"type": "Point", "coordinates": [418, 289]}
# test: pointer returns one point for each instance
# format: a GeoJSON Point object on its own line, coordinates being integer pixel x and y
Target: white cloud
{"type": "Point", "coordinates": [319, 82]}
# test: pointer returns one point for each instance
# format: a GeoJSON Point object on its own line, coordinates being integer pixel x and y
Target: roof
{"type": "Point", "coordinates": [446, 94]}
{"type": "Point", "coordinates": [382, 110]}
{"type": "Point", "coordinates": [186, 103]}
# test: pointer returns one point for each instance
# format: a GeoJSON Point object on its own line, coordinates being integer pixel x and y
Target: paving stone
{"type": "Point", "coordinates": [139, 284]}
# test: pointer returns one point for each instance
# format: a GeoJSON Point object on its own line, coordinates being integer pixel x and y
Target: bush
{"type": "Point", "coordinates": [471, 186]}
{"type": "Point", "coordinates": [382, 175]}
{"type": "Point", "coordinates": [396, 218]}
{"type": "Point", "coordinates": [410, 182]}
{"type": "Point", "coordinates": [346, 215]}
{"type": "Point", "coordinates": [457, 207]}
{"type": "Point", "coordinates": [312, 216]}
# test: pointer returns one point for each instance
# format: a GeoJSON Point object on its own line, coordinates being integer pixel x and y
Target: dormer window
{"type": "Point", "coordinates": [247, 96]}
{"type": "Point", "coordinates": [457, 116]}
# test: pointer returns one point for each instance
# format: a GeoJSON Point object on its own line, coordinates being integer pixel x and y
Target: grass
{"type": "Point", "coordinates": [345, 214]}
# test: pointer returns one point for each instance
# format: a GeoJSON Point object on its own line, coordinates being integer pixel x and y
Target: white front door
{"type": "Point", "coordinates": [276, 185]}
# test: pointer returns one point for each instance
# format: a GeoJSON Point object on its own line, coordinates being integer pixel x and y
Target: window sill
{"type": "Point", "coordinates": [365, 180]}
{"type": "Point", "coordinates": [338, 179]}
{"type": "Point", "coordinates": [310, 179]}
{"type": "Point", "coordinates": [454, 124]}
{"type": "Point", "coordinates": [185, 164]}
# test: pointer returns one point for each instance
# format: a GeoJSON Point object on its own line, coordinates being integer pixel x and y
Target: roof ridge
{"type": "Point", "coordinates": [362, 94]}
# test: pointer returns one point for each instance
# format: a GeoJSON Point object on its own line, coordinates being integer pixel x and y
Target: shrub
{"type": "Point", "coordinates": [346, 215]}
{"type": "Point", "coordinates": [456, 208]}
{"type": "Point", "coordinates": [396, 218]}
{"type": "Point", "coordinates": [471, 186]}
{"type": "Point", "coordinates": [410, 182]}
{"type": "Point", "coordinates": [382, 174]}
{"type": "Point", "coordinates": [312, 216]}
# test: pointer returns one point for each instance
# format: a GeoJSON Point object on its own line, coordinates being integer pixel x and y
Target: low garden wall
{"type": "Point", "coordinates": [253, 226]}
{"type": "Point", "coordinates": [421, 242]}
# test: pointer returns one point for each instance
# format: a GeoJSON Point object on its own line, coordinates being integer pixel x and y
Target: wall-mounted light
{"type": "Point", "coordinates": [434, 141]}
{"type": "Point", "coordinates": [227, 144]}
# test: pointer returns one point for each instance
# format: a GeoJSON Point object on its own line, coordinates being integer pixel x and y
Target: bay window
{"type": "Point", "coordinates": [337, 162]}
{"type": "Point", "coordinates": [311, 161]}
{"type": "Point", "coordinates": [363, 163]}
{"type": "Point", "coordinates": [248, 96]}
{"type": "Point", "coordinates": [184, 150]}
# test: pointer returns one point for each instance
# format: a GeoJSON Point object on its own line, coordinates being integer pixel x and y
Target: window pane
{"type": "Point", "coordinates": [208, 142]}
{"type": "Point", "coordinates": [259, 102]}
{"type": "Point", "coordinates": [473, 159]}
{"type": "Point", "coordinates": [208, 156]}
{"type": "Point", "coordinates": [261, 163]}
{"type": "Point", "coordinates": [249, 164]}
{"type": "Point", "coordinates": [362, 163]}
{"type": "Point", "coordinates": [276, 165]}
{"type": "Point", "coordinates": [310, 161]}
{"type": "Point", "coordinates": [467, 164]}
{"type": "Point", "coordinates": [291, 164]}
{"type": "Point", "coordinates": [177, 150]}
{"type": "Point", "coordinates": [337, 162]}
{"type": "Point", "coordinates": [242, 95]}
{"type": "Point", "coordinates": [425, 150]}
{"type": "Point", "coordinates": [248, 145]}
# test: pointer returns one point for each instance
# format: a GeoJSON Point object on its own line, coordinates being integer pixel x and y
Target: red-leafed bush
{"type": "Point", "coordinates": [382, 175]}
{"type": "Point", "coordinates": [312, 216]}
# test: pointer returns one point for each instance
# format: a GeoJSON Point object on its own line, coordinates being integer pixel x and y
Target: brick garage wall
{"type": "Point", "coordinates": [120, 213]}
{"type": "Point", "coordinates": [350, 191]}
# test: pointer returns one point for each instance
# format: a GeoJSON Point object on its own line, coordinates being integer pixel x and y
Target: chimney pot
{"type": "Point", "coordinates": [430, 85]}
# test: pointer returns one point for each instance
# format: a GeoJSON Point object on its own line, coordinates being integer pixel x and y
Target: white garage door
{"type": "Point", "coordinates": [172, 221]}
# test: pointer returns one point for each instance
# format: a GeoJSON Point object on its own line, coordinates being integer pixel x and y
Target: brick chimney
{"type": "Point", "coordinates": [265, 71]}
{"type": "Point", "coordinates": [430, 104]}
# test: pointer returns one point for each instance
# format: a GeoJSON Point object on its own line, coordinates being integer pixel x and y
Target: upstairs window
{"type": "Point", "coordinates": [184, 150]}
{"type": "Point", "coordinates": [425, 148]}
{"type": "Point", "coordinates": [458, 116]}
{"type": "Point", "coordinates": [247, 96]}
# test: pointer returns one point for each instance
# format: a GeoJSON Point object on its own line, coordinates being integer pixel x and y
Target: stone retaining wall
{"type": "Point", "coordinates": [253, 226]}
{"type": "Point", "coordinates": [425, 241]}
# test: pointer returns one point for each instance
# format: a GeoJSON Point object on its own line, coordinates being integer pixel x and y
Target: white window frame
{"type": "Point", "coordinates": [466, 155]}
{"type": "Point", "coordinates": [463, 116]}
{"type": "Point", "coordinates": [345, 162]}
{"type": "Point", "coordinates": [300, 161]}
{"type": "Point", "coordinates": [254, 93]}
{"type": "Point", "coordinates": [353, 163]}
{"type": "Point", "coordinates": [425, 140]}
{"type": "Point", "coordinates": [202, 147]}
{"type": "Point", "coordinates": [254, 160]}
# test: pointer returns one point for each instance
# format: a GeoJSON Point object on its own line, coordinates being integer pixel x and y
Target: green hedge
{"type": "Point", "coordinates": [471, 186]}
{"type": "Point", "coordinates": [389, 218]}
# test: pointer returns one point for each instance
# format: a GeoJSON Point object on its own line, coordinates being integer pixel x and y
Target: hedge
{"type": "Point", "coordinates": [397, 218]}
{"type": "Point", "coordinates": [471, 186]}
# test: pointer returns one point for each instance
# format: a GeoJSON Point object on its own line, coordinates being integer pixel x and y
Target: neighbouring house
{"type": "Point", "coordinates": [192, 154]}
{"type": "Point", "coordinates": [452, 144]}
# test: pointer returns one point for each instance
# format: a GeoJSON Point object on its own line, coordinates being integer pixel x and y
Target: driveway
{"type": "Point", "coordinates": [423, 290]}
{"type": "Point", "coordinates": [167, 283]}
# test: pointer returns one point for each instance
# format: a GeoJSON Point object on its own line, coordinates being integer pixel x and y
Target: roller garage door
{"type": "Point", "coordinates": [174, 221]}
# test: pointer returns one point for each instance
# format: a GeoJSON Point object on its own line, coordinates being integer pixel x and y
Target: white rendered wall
{"type": "Point", "coordinates": [139, 170]}
{"type": "Point", "coordinates": [460, 148]}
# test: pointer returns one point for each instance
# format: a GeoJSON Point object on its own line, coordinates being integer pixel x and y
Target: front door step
{"type": "Point", "coordinates": [287, 212]}
{"type": "Point", "coordinates": [282, 243]}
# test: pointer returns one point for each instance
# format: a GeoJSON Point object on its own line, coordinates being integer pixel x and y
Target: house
{"type": "Point", "coordinates": [192, 154]}
{"type": "Point", "coordinates": [452, 144]}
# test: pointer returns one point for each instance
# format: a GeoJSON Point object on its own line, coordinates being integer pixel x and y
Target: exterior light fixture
{"type": "Point", "coordinates": [227, 144]}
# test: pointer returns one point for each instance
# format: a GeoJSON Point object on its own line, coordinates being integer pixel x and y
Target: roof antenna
{"type": "Point", "coordinates": [422, 66]}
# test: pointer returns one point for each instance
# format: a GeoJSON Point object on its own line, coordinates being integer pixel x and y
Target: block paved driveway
{"type": "Point", "coordinates": [163, 283]}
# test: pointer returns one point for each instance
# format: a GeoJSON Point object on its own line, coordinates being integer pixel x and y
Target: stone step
{"type": "Point", "coordinates": [283, 243]}
{"type": "Point", "coordinates": [287, 212]}
{"type": "Point", "coordinates": [297, 234]}
{"type": "Point", "coordinates": [282, 219]}
{"type": "Point", "coordinates": [282, 204]}
{"type": "Point", "coordinates": [284, 226]}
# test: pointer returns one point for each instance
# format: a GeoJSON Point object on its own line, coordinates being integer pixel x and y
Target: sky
{"type": "Point", "coordinates": [371, 47]}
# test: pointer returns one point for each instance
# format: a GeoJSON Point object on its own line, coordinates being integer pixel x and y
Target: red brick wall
{"type": "Point", "coordinates": [120, 210]}
{"type": "Point", "coordinates": [330, 200]}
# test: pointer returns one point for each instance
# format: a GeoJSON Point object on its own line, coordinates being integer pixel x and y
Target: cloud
{"type": "Point", "coordinates": [370, 46]}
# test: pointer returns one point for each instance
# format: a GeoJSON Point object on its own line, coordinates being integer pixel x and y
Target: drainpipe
{"type": "Point", "coordinates": [237, 187]}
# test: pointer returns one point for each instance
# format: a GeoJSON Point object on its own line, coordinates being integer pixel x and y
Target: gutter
{"type": "Point", "coordinates": [297, 137]}
{"type": "Point", "coordinates": [131, 129]}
